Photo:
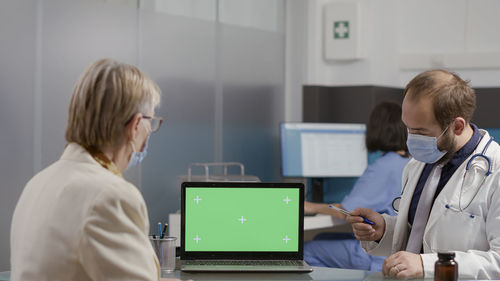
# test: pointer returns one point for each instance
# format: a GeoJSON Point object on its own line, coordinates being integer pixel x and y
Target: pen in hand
{"type": "Point", "coordinates": [347, 214]}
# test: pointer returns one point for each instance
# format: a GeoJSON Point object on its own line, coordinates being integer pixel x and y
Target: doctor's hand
{"type": "Point", "coordinates": [364, 231]}
{"type": "Point", "coordinates": [403, 265]}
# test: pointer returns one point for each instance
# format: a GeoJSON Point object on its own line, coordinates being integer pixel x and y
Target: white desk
{"type": "Point", "coordinates": [316, 222]}
{"type": "Point", "coordinates": [320, 221]}
{"type": "Point", "coordinates": [319, 273]}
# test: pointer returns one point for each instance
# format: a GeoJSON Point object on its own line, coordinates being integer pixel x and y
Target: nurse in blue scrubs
{"type": "Point", "coordinates": [375, 189]}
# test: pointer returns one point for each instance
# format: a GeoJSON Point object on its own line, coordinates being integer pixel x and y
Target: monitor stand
{"type": "Point", "coordinates": [317, 190]}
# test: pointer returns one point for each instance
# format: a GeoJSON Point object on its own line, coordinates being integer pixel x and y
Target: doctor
{"type": "Point", "coordinates": [451, 188]}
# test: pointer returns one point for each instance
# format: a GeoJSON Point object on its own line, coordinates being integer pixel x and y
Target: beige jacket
{"type": "Point", "coordinates": [76, 220]}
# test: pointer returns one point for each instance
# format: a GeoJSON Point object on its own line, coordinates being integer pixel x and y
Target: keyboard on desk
{"type": "Point", "coordinates": [245, 262]}
{"type": "Point", "coordinates": [246, 265]}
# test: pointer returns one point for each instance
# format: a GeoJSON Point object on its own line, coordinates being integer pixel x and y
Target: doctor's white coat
{"type": "Point", "coordinates": [464, 220]}
{"type": "Point", "coordinates": [76, 220]}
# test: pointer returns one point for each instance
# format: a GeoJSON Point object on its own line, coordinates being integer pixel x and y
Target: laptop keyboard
{"type": "Point", "coordinates": [246, 262]}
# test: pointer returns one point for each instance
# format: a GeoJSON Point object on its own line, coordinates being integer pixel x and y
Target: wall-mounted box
{"type": "Point", "coordinates": [342, 32]}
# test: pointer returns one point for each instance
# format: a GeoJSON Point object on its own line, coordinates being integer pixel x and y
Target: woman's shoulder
{"type": "Point", "coordinates": [386, 166]}
{"type": "Point", "coordinates": [114, 194]}
{"type": "Point", "coordinates": [90, 181]}
{"type": "Point", "coordinates": [114, 187]}
{"type": "Point", "coordinates": [391, 159]}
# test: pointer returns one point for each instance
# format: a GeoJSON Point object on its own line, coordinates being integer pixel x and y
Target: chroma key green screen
{"type": "Point", "coordinates": [242, 219]}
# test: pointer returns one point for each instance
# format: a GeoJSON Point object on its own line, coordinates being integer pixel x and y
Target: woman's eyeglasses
{"type": "Point", "coordinates": [155, 122]}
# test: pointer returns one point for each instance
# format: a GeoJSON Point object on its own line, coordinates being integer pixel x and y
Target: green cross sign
{"type": "Point", "coordinates": [341, 29]}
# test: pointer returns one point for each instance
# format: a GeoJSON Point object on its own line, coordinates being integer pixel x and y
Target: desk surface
{"type": "Point", "coordinates": [319, 273]}
{"type": "Point", "coordinates": [320, 221]}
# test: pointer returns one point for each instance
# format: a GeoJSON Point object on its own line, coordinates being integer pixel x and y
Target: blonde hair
{"type": "Point", "coordinates": [105, 98]}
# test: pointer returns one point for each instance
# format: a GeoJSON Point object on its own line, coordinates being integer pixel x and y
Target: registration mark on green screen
{"type": "Point", "coordinates": [242, 219]}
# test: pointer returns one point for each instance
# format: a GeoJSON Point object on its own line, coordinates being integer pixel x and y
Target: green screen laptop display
{"type": "Point", "coordinates": [241, 219]}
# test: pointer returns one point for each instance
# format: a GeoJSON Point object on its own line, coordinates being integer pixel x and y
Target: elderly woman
{"type": "Point", "coordinates": [79, 219]}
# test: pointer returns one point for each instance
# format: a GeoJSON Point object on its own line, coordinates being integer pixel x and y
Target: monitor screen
{"type": "Point", "coordinates": [323, 150]}
{"type": "Point", "coordinates": [242, 219]}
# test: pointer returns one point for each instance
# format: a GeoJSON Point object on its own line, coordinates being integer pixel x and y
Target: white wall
{"type": "Point", "coordinates": [401, 38]}
{"type": "Point", "coordinates": [17, 105]}
{"type": "Point", "coordinates": [296, 23]}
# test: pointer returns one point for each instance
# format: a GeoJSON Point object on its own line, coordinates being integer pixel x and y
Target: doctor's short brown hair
{"type": "Point", "coordinates": [451, 96]}
{"type": "Point", "coordinates": [105, 98]}
{"type": "Point", "coordinates": [385, 131]}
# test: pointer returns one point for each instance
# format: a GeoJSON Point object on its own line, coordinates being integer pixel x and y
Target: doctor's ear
{"type": "Point", "coordinates": [458, 125]}
{"type": "Point", "coordinates": [132, 126]}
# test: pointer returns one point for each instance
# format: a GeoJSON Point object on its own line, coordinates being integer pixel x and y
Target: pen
{"type": "Point", "coordinates": [347, 214]}
{"type": "Point", "coordinates": [159, 230]}
{"type": "Point", "coordinates": [164, 230]}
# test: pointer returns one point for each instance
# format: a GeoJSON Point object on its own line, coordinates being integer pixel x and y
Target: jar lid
{"type": "Point", "coordinates": [446, 255]}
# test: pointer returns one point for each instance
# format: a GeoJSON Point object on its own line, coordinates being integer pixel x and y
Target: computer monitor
{"type": "Point", "coordinates": [322, 150]}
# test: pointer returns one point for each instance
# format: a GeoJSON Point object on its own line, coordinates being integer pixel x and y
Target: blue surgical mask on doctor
{"type": "Point", "coordinates": [137, 156]}
{"type": "Point", "coordinates": [424, 148]}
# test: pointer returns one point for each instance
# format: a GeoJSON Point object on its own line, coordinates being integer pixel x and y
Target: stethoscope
{"type": "Point", "coordinates": [397, 200]}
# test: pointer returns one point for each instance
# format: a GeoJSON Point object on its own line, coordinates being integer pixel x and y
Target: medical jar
{"type": "Point", "coordinates": [446, 268]}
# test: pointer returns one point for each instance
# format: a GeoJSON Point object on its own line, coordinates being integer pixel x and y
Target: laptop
{"type": "Point", "coordinates": [244, 226]}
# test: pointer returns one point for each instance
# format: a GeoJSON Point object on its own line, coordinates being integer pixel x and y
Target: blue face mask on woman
{"type": "Point", "coordinates": [424, 148]}
{"type": "Point", "coordinates": [137, 156]}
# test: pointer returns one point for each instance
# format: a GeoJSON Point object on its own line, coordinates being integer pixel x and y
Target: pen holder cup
{"type": "Point", "coordinates": [165, 251]}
